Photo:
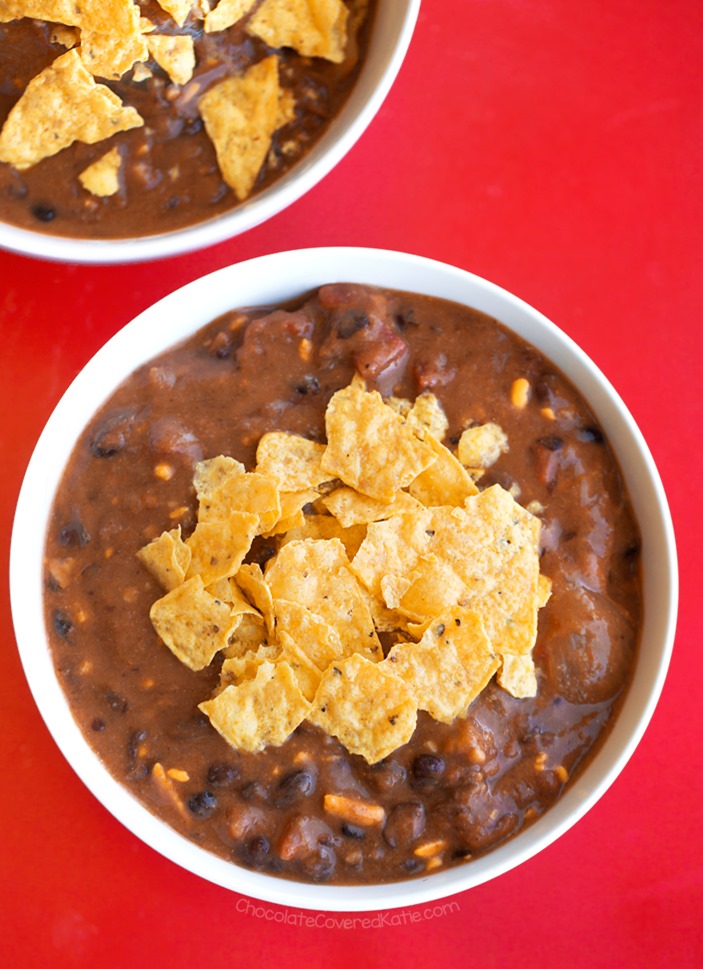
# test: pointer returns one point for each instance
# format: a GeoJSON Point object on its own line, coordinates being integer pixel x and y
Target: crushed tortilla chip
{"type": "Point", "coordinates": [68, 37]}
{"type": "Point", "coordinates": [351, 508]}
{"type": "Point", "coordinates": [445, 482]}
{"type": "Point", "coordinates": [102, 178]}
{"type": "Point", "coordinates": [518, 676]}
{"type": "Point", "coordinates": [367, 707]}
{"type": "Point", "coordinates": [192, 623]}
{"type": "Point", "coordinates": [450, 665]}
{"type": "Point", "coordinates": [369, 447]}
{"type": "Point", "coordinates": [227, 13]}
{"type": "Point", "coordinates": [258, 712]}
{"type": "Point", "coordinates": [167, 558]}
{"type": "Point", "coordinates": [306, 672]}
{"type": "Point", "coordinates": [61, 105]}
{"type": "Point", "coordinates": [249, 492]}
{"type": "Point", "coordinates": [480, 447]}
{"type": "Point", "coordinates": [236, 669]}
{"type": "Point", "coordinates": [293, 461]}
{"type": "Point", "coordinates": [212, 474]}
{"type": "Point", "coordinates": [218, 548]}
{"type": "Point", "coordinates": [427, 412]}
{"type": "Point", "coordinates": [178, 9]}
{"type": "Point", "coordinates": [325, 527]}
{"type": "Point", "coordinates": [314, 28]}
{"type": "Point", "coordinates": [240, 115]}
{"type": "Point", "coordinates": [250, 580]}
{"type": "Point", "coordinates": [176, 55]}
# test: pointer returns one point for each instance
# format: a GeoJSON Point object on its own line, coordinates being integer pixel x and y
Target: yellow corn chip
{"type": "Point", "coordinates": [227, 13]}
{"type": "Point", "coordinates": [327, 526]}
{"type": "Point", "coordinates": [176, 55]}
{"type": "Point", "coordinates": [167, 558]}
{"type": "Point", "coordinates": [351, 508]}
{"type": "Point", "coordinates": [141, 73]}
{"type": "Point", "coordinates": [316, 575]}
{"type": "Point", "coordinates": [369, 446]}
{"type": "Point", "coordinates": [292, 516]}
{"type": "Point", "coordinates": [446, 482]}
{"type": "Point", "coordinates": [294, 461]}
{"type": "Point", "coordinates": [306, 673]}
{"type": "Point", "coordinates": [61, 105]}
{"type": "Point", "coordinates": [102, 178]}
{"type": "Point", "coordinates": [484, 557]}
{"type": "Point", "coordinates": [192, 623]}
{"type": "Point", "coordinates": [317, 639]}
{"type": "Point", "coordinates": [480, 447]}
{"type": "Point", "coordinates": [427, 413]}
{"type": "Point", "coordinates": [240, 115]}
{"type": "Point", "coordinates": [55, 11]}
{"type": "Point", "coordinates": [259, 712]}
{"type": "Point", "coordinates": [249, 634]}
{"type": "Point", "coordinates": [449, 667]}
{"type": "Point", "coordinates": [315, 28]}
{"type": "Point", "coordinates": [218, 548]}
{"type": "Point", "coordinates": [178, 9]}
{"type": "Point", "coordinates": [251, 581]}
{"type": "Point", "coordinates": [212, 474]}
{"type": "Point", "coordinates": [236, 669]}
{"type": "Point", "coordinates": [518, 676]}
{"type": "Point", "coordinates": [252, 493]}
{"type": "Point", "coordinates": [369, 709]}
{"type": "Point", "coordinates": [68, 37]}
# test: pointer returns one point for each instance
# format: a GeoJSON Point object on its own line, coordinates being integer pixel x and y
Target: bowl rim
{"type": "Point", "coordinates": [337, 140]}
{"type": "Point", "coordinates": [284, 275]}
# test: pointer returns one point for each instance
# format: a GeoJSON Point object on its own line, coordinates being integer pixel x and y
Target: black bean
{"type": "Point", "coordinates": [62, 624]}
{"type": "Point", "coordinates": [117, 703]}
{"type": "Point", "coordinates": [256, 851]}
{"type": "Point", "coordinates": [294, 787]}
{"type": "Point", "coordinates": [308, 385]}
{"type": "Point", "coordinates": [591, 435]}
{"type": "Point", "coordinates": [349, 322]}
{"type": "Point", "coordinates": [319, 865]}
{"type": "Point", "coordinates": [427, 768]}
{"type": "Point", "coordinates": [202, 804]}
{"type": "Point", "coordinates": [97, 725]}
{"type": "Point", "coordinates": [43, 212]}
{"type": "Point", "coordinates": [405, 824]}
{"type": "Point", "coordinates": [112, 437]}
{"type": "Point", "coordinates": [137, 738]}
{"type": "Point", "coordinates": [552, 442]}
{"type": "Point", "coordinates": [73, 534]}
{"type": "Point", "coordinates": [412, 865]}
{"type": "Point", "coordinates": [220, 775]}
{"type": "Point", "coordinates": [352, 831]}
{"type": "Point", "coordinates": [254, 791]}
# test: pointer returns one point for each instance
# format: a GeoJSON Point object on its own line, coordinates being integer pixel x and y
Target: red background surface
{"type": "Point", "coordinates": [555, 148]}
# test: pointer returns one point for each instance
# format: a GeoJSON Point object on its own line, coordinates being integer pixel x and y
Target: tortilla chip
{"type": "Point", "coordinates": [484, 557]}
{"type": "Point", "coordinates": [306, 672]}
{"type": "Point", "coordinates": [518, 676]}
{"type": "Point", "coordinates": [327, 526]}
{"type": "Point", "coordinates": [250, 633]}
{"type": "Point", "coordinates": [68, 37]}
{"type": "Point", "coordinates": [369, 446]}
{"type": "Point", "coordinates": [351, 508]}
{"type": "Point", "coordinates": [252, 493]}
{"type": "Point", "coordinates": [316, 575]}
{"type": "Point", "coordinates": [218, 548]}
{"type": "Point", "coordinates": [102, 178]}
{"type": "Point", "coordinates": [317, 639]}
{"type": "Point", "coordinates": [240, 116]}
{"type": "Point", "coordinates": [449, 667]}
{"type": "Point", "coordinates": [446, 482]}
{"type": "Point", "coordinates": [227, 13]}
{"type": "Point", "coordinates": [250, 580]}
{"type": "Point", "coordinates": [314, 28]}
{"type": "Point", "coordinates": [480, 447]}
{"type": "Point", "coordinates": [167, 558]}
{"type": "Point", "coordinates": [61, 105]}
{"type": "Point", "coordinates": [178, 9]}
{"type": "Point", "coordinates": [236, 669]}
{"type": "Point", "coordinates": [427, 413]}
{"type": "Point", "coordinates": [259, 712]}
{"type": "Point", "coordinates": [176, 55]}
{"type": "Point", "coordinates": [369, 709]}
{"type": "Point", "coordinates": [55, 11]}
{"type": "Point", "coordinates": [192, 623]}
{"type": "Point", "coordinates": [141, 73]}
{"type": "Point", "coordinates": [292, 516]}
{"type": "Point", "coordinates": [295, 462]}
{"type": "Point", "coordinates": [211, 474]}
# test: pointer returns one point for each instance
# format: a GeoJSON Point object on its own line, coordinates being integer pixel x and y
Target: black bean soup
{"type": "Point", "coordinates": [454, 791]}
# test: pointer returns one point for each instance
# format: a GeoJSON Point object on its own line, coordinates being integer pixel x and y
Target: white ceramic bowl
{"type": "Point", "coordinates": [392, 30]}
{"type": "Point", "coordinates": [268, 280]}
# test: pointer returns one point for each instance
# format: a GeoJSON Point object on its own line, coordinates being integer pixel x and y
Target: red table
{"type": "Point", "coordinates": [555, 148]}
